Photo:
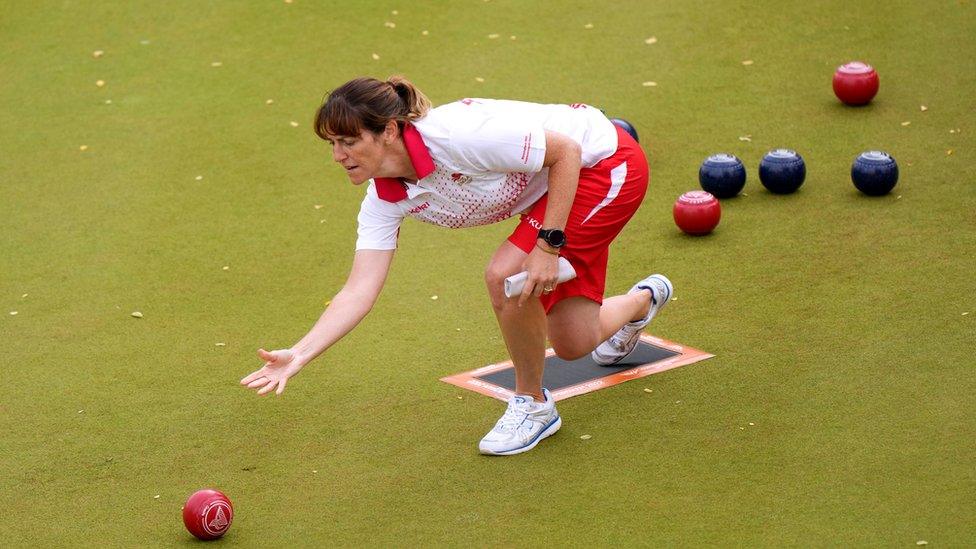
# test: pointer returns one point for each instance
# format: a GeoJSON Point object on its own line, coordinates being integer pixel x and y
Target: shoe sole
{"type": "Point", "coordinates": [548, 431]}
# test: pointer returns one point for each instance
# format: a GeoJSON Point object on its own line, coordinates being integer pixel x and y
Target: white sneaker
{"type": "Point", "coordinates": [524, 423]}
{"type": "Point", "coordinates": [622, 343]}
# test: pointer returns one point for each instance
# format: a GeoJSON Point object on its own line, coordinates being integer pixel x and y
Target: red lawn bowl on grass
{"type": "Point", "coordinates": [208, 514]}
{"type": "Point", "coordinates": [697, 212]}
{"type": "Point", "coordinates": [856, 83]}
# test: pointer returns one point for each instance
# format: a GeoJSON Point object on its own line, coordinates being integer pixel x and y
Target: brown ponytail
{"type": "Point", "coordinates": [368, 104]}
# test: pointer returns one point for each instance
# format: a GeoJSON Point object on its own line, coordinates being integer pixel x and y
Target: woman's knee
{"type": "Point", "coordinates": [572, 348]}
{"type": "Point", "coordinates": [495, 276]}
{"type": "Point", "coordinates": [574, 327]}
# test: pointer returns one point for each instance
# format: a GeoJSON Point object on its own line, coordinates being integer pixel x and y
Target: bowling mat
{"type": "Point", "coordinates": [568, 378]}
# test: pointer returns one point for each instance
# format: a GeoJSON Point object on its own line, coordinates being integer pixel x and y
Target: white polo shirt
{"type": "Point", "coordinates": [479, 162]}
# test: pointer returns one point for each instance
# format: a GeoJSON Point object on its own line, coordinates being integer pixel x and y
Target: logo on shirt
{"type": "Point", "coordinates": [460, 178]}
{"type": "Point", "coordinates": [526, 145]}
{"type": "Point", "coordinates": [418, 209]}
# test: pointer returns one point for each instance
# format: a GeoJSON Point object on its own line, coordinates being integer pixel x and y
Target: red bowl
{"type": "Point", "coordinates": [856, 83]}
{"type": "Point", "coordinates": [208, 514]}
{"type": "Point", "coordinates": [697, 212]}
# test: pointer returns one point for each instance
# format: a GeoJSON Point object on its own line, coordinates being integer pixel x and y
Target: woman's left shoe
{"type": "Point", "coordinates": [524, 423]}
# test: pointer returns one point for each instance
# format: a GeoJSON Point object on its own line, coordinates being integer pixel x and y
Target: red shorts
{"type": "Point", "coordinates": [607, 197]}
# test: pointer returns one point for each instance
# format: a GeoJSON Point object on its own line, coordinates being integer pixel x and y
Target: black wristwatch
{"type": "Point", "coordinates": [553, 237]}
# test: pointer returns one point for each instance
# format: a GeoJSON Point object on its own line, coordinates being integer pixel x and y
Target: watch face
{"type": "Point", "coordinates": [555, 238]}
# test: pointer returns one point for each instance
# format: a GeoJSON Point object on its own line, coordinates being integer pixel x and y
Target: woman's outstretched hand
{"type": "Point", "coordinates": [278, 367]}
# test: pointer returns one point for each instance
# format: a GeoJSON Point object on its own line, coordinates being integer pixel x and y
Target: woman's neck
{"type": "Point", "coordinates": [396, 163]}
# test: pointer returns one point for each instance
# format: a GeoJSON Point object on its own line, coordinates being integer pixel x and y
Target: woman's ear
{"type": "Point", "coordinates": [392, 132]}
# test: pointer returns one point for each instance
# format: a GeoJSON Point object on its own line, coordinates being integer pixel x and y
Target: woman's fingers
{"type": "Point", "coordinates": [281, 386]}
{"type": "Point", "coordinates": [267, 356]}
{"type": "Point", "coordinates": [254, 375]}
{"type": "Point", "coordinates": [267, 388]}
{"type": "Point", "coordinates": [526, 293]}
{"type": "Point", "coordinates": [258, 382]}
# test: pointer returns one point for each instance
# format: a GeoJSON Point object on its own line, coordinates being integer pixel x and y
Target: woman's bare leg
{"type": "Point", "coordinates": [577, 325]}
{"type": "Point", "coordinates": [523, 328]}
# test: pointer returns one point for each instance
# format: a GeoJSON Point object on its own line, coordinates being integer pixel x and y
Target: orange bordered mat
{"type": "Point", "coordinates": [568, 378]}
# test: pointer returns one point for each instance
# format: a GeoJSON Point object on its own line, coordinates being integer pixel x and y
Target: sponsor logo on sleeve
{"type": "Point", "coordinates": [416, 210]}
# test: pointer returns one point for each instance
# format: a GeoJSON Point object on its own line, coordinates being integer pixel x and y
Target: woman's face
{"type": "Point", "coordinates": [361, 155]}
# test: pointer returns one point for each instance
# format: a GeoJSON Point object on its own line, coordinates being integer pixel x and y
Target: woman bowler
{"type": "Point", "coordinates": [572, 176]}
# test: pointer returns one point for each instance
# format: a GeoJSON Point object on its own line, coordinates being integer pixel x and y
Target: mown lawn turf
{"type": "Point", "coordinates": [839, 410]}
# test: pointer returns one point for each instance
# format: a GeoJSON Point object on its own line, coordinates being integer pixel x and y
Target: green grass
{"type": "Point", "coordinates": [839, 322]}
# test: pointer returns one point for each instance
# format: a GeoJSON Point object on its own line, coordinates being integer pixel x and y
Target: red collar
{"type": "Point", "coordinates": [394, 189]}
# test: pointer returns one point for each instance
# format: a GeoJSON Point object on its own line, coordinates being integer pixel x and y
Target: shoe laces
{"type": "Point", "coordinates": [513, 417]}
